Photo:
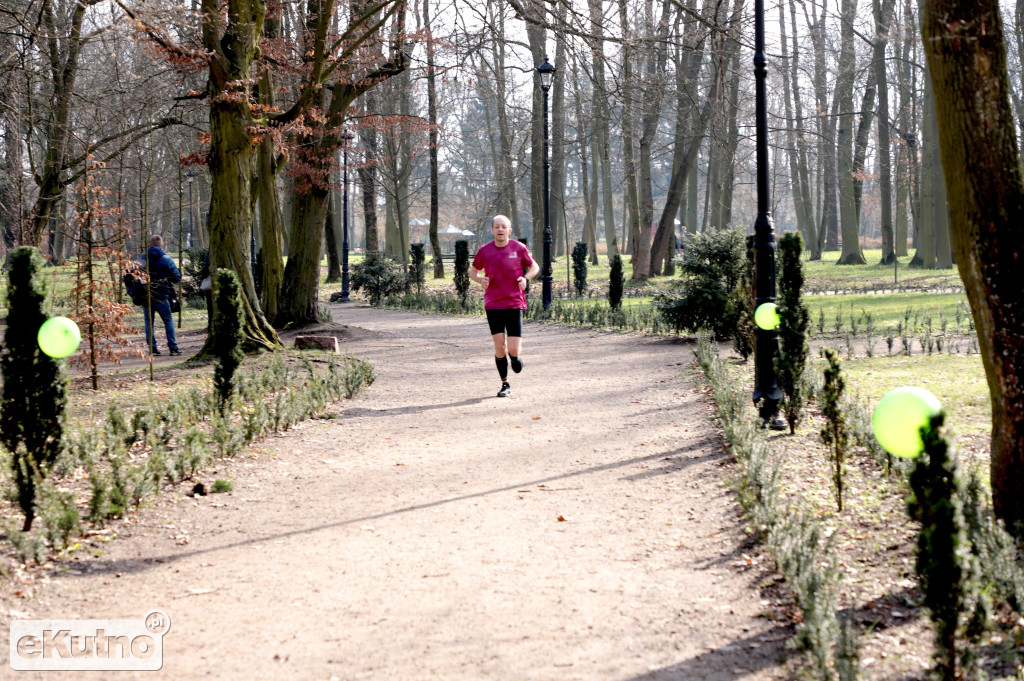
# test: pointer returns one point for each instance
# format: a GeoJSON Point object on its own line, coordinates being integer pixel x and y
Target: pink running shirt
{"type": "Point", "coordinates": [503, 266]}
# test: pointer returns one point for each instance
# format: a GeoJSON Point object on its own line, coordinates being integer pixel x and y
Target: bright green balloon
{"type": "Point", "coordinates": [59, 337]}
{"type": "Point", "coordinates": [899, 417]}
{"type": "Point", "coordinates": [766, 316]}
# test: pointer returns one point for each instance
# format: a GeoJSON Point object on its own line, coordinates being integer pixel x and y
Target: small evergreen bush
{"type": "Point", "coordinates": [836, 433]}
{"type": "Point", "coordinates": [418, 273]}
{"type": "Point", "coordinates": [35, 390]}
{"type": "Point", "coordinates": [942, 545]}
{"type": "Point", "coordinates": [739, 309]}
{"type": "Point", "coordinates": [379, 276]}
{"type": "Point", "coordinates": [712, 265]}
{"type": "Point", "coordinates": [579, 268]}
{"type": "Point", "coordinates": [793, 350]}
{"type": "Point", "coordinates": [462, 269]}
{"type": "Point", "coordinates": [227, 335]}
{"type": "Point", "coordinates": [616, 283]}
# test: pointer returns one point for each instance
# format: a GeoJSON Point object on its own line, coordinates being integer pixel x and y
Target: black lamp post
{"type": "Point", "coordinates": [547, 74]}
{"type": "Point", "coordinates": [346, 137]}
{"type": "Point", "coordinates": [181, 244]}
{"type": "Point", "coordinates": [766, 383]}
{"type": "Point", "coordinates": [189, 176]}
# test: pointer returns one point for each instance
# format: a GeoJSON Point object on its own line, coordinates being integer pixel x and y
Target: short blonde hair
{"type": "Point", "coordinates": [500, 218]}
{"type": "Point", "coordinates": [156, 240]}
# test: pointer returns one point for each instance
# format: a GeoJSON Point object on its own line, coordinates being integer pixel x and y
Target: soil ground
{"type": "Point", "coordinates": [582, 529]}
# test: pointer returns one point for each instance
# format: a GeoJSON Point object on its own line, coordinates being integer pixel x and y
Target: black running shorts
{"type": "Point", "coordinates": [509, 322]}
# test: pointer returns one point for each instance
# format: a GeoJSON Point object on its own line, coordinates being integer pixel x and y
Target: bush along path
{"type": "Point", "coordinates": [582, 529]}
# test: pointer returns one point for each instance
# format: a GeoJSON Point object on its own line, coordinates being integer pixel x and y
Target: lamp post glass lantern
{"type": "Point", "coordinates": [346, 138]}
{"type": "Point", "coordinates": [547, 75]}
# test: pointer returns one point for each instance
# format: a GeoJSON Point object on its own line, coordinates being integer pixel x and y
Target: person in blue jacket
{"type": "Point", "coordinates": [163, 275]}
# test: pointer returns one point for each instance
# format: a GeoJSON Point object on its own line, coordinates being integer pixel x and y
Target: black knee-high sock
{"type": "Point", "coordinates": [502, 364]}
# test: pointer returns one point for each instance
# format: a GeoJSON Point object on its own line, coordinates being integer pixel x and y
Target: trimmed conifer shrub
{"type": "Point", "coordinates": [462, 269]}
{"type": "Point", "coordinates": [711, 267]}
{"type": "Point", "coordinates": [836, 433]}
{"type": "Point", "coordinates": [579, 268]}
{"type": "Point", "coordinates": [379, 276]}
{"type": "Point", "coordinates": [227, 334]}
{"type": "Point", "coordinates": [616, 283]}
{"type": "Point", "coordinates": [793, 350]}
{"type": "Point", "coordinates": [941, 543]}
{"type": "Point", "coordinates": [417, 268]}
{"type": "Point", "coordinates": [35, 385]}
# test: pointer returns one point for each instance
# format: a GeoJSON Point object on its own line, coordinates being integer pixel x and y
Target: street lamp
{"type": "Point", "coordinates": [766, 382]}
{"type": "Point", "coordinates": [346, 137]}
{"type": "Point", "coordinates": [547, 74]}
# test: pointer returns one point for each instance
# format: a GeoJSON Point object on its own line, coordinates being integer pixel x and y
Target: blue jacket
{"type": "Point", "coordinates": [163, 273]}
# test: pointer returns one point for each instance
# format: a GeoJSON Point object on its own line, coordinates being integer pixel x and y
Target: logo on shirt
{"type": "Point", "coordinates": [513, 254]}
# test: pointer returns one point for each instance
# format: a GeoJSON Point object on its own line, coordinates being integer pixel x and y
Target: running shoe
{"type": "Point", "coordinates": [505, 391]}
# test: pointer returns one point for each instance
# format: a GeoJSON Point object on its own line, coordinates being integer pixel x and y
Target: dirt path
{"type": "Point", "coordinates": [582, 529]}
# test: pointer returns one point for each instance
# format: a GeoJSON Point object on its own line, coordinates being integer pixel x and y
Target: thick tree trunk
{"type": "Point", "coordinates": [966, 54]}
{"type": "Point", "coordinates": [367, 172]}
{"type": "Point", "coordinates": [230, 155]}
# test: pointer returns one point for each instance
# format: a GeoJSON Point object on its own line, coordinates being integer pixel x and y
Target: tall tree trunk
{"type": "Point", "coordinates": [367, 172]}
{"type": "Point", "coordinates": [601, 135]}
{"type": "Point", "coordinates": [589, 213]}
{"type": "Point", "coordinates": [721, 55]}
{"type": "Point", "coordinates": [507, 200]}
{"type": "Point", "coordinates": [654, 86]}
{"type": "Point", "coordinates": [851, 253]}
{"type": "Point", "coordinates": [883, 11]}
{"type": "Point", "coordinates": [796, 179]}
{"type": "Point", "coordinates": [906, 151]}
{"type": "Point", "coordinates": [536, 36]}
{"type": "Point", "coordinates": [629, 153]}
{"type": "Point", "coordinates": [557, 203]}
{"type": "Point", "coordinates": [435, 242]}
{"type": "Point", "coordinates": [966, 55]}
{"type": "Point", "coordinates": [268, 164]}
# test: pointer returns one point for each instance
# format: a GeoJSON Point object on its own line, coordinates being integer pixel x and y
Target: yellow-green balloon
{"type": "Point", "coordinates": [766, 316]}
{"type": "Point", "coordinates": [59, 337]}
{"type": "Point", "coordinates": [899, 417]}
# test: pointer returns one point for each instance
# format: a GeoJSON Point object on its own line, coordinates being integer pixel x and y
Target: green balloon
{"type": "Point", "coordinates": [59, 337]}
{"type": "Point", "coordinates": [766, 316]}
{"type": "Point", "coordinates": [899, 417]}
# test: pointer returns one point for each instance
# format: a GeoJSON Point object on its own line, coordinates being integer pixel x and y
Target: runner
{"type": "Point", "coordinates": [502, 262]}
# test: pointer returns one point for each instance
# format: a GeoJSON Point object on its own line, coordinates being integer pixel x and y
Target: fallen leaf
{"type": "Point", "coordinates": [561, 518]}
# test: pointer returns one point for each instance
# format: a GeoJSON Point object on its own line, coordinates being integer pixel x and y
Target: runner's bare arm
{"type": "Point", "coordinates": [475, 275]}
